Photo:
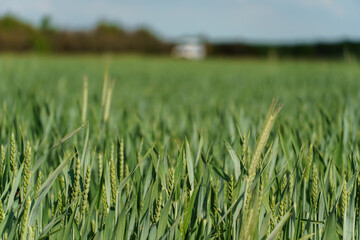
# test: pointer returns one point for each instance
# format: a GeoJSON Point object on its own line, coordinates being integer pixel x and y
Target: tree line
{"type": "Point", "coordinates": [19, 36]}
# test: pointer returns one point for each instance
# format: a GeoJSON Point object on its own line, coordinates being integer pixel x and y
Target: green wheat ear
{"type": "Point", "coordinates": [170, 182]}
{"type": "Point", "coordinates": [100, 167]}
{"type": "Point", "coordinates": [13, 163]}
{"type": "Point", "coordinates": [2, 214]}
{"type": "Point", "coordinates": [291, 187]}
{"type": "Point", "coordinates": [216, 197]}
{"type": "Point", "coordinates": [76, 184]}
{"type": "Point", "coordinates": [121, 160]}
{"type": "Point", "coordinates": [86, 190]}
{"type": "Point", "coordinates": [27, 173]}
{"type": "Point", "coordinates": [181, 229]}
{"type": "Point", "coordinates": [104, 201]}
{"type": "Point", "coordinates": [230, 189]}
{"type": "Point", "coordinates": [274, 217]}
{"type": "Point", "coordinates": [2, 162]}
{"type": "Point", "coordinates": [314, 187]}
{"type": "Point", "coordinates": [156, 215]}
{"type": "Point", "coordinates": [344, 198]}
{"type": "Point", "coordinates": [112, 177]}
{"type": "Point", "coordinates": [60, 203]}
{"type": "Point", "coordinates": [93, 226]}
{"type": "Point", "coordinates": [62, 182]}
{"type": "Point", "coordinates": [38, 185]}
{"type": "Point", "coordinates": [249, 213]}
{"type": "Point", "coordinates": [24, 226]}
{"type": "Point", "coordinates": [265, 133]}
{"type": "Point", "coordinates": [283, 204]}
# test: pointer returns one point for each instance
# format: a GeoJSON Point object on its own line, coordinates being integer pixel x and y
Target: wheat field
{"type": "Point", "coordinates": [130, 147]}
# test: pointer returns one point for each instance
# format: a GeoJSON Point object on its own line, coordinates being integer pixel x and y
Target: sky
{"type": "Point", "coordinates": [218, 20]}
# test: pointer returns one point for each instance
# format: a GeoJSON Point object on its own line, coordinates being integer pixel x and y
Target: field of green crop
{"type": "Point", "coordinates": [129, 147]}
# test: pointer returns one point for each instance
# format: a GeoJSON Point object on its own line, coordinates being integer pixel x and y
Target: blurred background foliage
{"type": "Point", "coordinates": [17, 35]}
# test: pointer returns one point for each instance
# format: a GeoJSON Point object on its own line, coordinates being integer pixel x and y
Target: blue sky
{"type": "Point", "coordinates": [259, 20]}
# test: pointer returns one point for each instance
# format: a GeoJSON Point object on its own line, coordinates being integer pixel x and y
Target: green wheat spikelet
{"type": "Point", "coordinates": [344, 198]}
{"type": "Point", "coordinates": [219, 231]}
{"type": "Point", "coordinates": [77, 179]}
{"type": "Point", "coordinates": [216, 199]}
{"type": "Point", "coordinates": [38, 185]}
{"type": "Point", "coordinates": [13, 163]}
{"type": "Point", "coordinates": [314, 187]}
{"type": "Point", "coordinates": [274, 217]}
{"type": "Point", "coordinates": [62, 182]}
{"type": "Point", "coordinates": [37, 225]}
{"type": "Point", "coordinates": [291, 187]}
{"type": "Point", "coordinates": [121, 160]}
{"type": "Point", "coordinates": [2, 162]}
{"type": "Point", "coordinates": [2, 214]}
{"type": "Point", "coordinates": [141, 205]}
{"type": "Point", "coordinates": [100, 167]}
{"type": "Point", "coordinates": [63, 187]}
{"type": "Point", "coordinates": [230, 189]}
{"type": "Point", "coordinates": [104, 201]}
{"type": "Point", "coordinates": [283, 204]}
{"type": "Point", "coordinates": [156, 215]}
{"type": "Point", "coordinates": [265, 133]}
{"type": "Point", "coordinates": [170, 182]}
{"type": "Point", "coordinates": [255, 160]}
{"type": "Point", "coordinates": [181, 229]}
{"type": "Point", "coordinates": [24, 227]}
{"type": "Point", "coordinates": [248, 224]}
{"type": "Point", "coordinates": [76, 184]}
{"type": "Point", "coordinates": [86, 190]}
{"type": "Point", "coordinates": [77, 217]}
{"type": "Point", "coordinates": [27, 173]}
{"type": "Point", "coordinates": [112, 177]}
{"type": "Point", "coordinates": [60, 203]}
{"type": "Point", "coordinates": [93, 226]}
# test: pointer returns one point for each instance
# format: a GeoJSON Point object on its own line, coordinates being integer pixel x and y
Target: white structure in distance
{"type": "Point", "coordinates": [190, 48]}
